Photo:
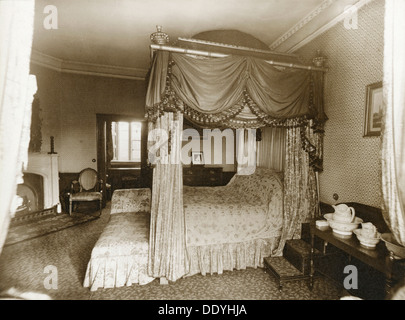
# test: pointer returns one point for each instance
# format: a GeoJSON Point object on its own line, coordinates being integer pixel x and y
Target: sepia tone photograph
{"type": "Point", "coordinates": [211, 156]}
{"type": "Point", "coordinates": [374, 109]}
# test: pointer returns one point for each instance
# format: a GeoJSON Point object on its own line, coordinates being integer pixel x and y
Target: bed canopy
{"type": "Point", "coordinates": [239, 87]}
{"type": "Point", "coordinates": [227, 79]}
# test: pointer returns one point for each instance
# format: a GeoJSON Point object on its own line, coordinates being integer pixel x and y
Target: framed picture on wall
{"type": "Point", "coordinates": [374, 105]}
{"type": "Point", "coordinates": [197, 158]}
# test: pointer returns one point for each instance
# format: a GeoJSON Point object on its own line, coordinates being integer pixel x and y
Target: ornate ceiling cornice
{"type": "Point", "coordinates": [322, 7]}
{"type": "Point", "coordinates": [66, 66]}
{"type": "Point", "coordinates": [327, 26]}
{"type": "Point", "coordinates": [321, 19]}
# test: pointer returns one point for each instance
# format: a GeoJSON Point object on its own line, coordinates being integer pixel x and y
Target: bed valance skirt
{"type": "Point", "coordinates": [217, 258]}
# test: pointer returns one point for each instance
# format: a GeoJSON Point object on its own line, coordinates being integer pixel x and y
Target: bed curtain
{"type": "Point", "coordinates": [167, 244]}
{"type": "Point", "coordinates": [271, 148]}
{"type": "Point", "coordinates": [300, 194]}
{"type": "Point", "coordinates": [246, 149]}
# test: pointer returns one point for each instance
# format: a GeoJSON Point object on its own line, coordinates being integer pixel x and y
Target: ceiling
{"type": "Point", "coordinates": [107, 34]}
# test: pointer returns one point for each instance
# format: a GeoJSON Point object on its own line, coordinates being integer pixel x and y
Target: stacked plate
{"type": "Point", "coordinates": [340, 228]}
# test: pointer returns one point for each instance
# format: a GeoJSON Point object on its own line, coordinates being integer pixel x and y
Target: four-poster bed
{"type": "Point", "coordinates": [211, 229]}
{"type": "Point", "coordinates": [237, 88]}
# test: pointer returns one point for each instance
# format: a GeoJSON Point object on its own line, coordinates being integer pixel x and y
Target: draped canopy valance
{"type": "Point", "coordinates": [233, 91]}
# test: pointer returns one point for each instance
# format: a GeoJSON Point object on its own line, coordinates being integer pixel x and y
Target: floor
{"type": "Point", "coordinates": [55, 265]}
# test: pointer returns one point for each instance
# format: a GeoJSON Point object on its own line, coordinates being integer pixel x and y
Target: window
{"type": "Point", "coordinates": [126, 138]}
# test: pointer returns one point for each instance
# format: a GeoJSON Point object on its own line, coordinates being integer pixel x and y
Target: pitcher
{"type": "Point", "coordinates": [344, 213]}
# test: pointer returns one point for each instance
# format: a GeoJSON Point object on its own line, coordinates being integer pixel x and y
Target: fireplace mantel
{"type": "Point", "coordinates": [46, 165]}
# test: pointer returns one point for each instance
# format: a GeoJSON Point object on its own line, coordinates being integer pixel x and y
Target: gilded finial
{"type": "Point", "coordinates": [159, 37]}
{"type": "Point", "coordinates": [319, 60]}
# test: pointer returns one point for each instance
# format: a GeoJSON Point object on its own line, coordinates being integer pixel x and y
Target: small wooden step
{"type": "Point", "coordinates": [298, 253]}
{"type": "Point", "coordinates": [283, 270]}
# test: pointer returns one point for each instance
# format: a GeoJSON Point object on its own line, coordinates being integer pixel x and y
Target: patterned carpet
{"type": "Point", "coordinates": [35, 225]}
{"type": "Point", "coordinates": [22, 266]}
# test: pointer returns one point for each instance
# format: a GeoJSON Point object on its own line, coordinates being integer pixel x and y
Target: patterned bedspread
{"type": "Point", "coordinates": [250, 207]}
{"type": "Point", "coordinates": [120, 256]}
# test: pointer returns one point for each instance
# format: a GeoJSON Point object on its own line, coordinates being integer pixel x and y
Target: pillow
{"type": "Point", "coordinates": [131, 200]}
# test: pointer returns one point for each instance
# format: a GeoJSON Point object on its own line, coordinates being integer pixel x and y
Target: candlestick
{"type": "Point", "coordinates": [52, 146]}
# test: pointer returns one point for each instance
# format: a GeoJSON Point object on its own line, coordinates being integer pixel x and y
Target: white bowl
{"type": "Point", "coordinates": [342, 228]}
{"type": "Point", "coordinates": [342, 234]}
{"type": "Point", "coordinates": [393, 245]}
{"type": "Point", "coordinates": [367, 241]}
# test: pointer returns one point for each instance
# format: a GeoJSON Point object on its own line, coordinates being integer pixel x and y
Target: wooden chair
{"type": "Point", "coordinates": [87, 188]}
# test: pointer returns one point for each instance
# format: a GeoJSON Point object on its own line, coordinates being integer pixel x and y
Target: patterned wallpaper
{"type": "Point", "coordinates": [355, 59]}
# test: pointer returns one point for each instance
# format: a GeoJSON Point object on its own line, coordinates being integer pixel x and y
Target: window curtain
{"type": "Point", "coordinates": [109, 143]}
{"type": "Point", "coordinates": [17, 89]}
{"type": "Point", "coordinates": [271, 148]}
{"type": "Point", "coordinates": [393, 129]}
{"type": "Point", "coordinates": [167, 243]}
{"type": "Point", "coordinates": [246, 150]}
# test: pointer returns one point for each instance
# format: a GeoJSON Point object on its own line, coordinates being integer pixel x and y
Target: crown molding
{"type": "Point", "coordinates": [321, 19]}
{"type": "Point", "coordinates": [44, 60]}
{"type": "Point", "coordinates": [309, 17]}
{"type": "Point", "coordinates": [92, 69]}
{"type": "Point", "coordinates": [326, 26]}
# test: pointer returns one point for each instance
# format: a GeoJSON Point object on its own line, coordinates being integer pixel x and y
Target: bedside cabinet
{"type": "Point", "coordinates": [202, 176]}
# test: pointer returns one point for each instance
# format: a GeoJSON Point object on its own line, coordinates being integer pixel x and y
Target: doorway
{"type": "Point", "coordinates": [121, 152]}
